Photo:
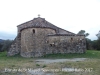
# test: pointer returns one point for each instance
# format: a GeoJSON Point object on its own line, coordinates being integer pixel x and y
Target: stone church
{"type": "Point", "coordinates": [38, 37]}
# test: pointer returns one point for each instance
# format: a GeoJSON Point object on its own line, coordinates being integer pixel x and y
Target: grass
{"type": "Point", "coordinates": [37, 65]}
{"type": "Point", "coordinates": [90, 64]}
{"type": "Point", "coordinates": [88, 54]}
{"type": "Point", "coordinates": [15, 61]}
{"type": "Point", "coordinates": [44, 66]}
{"type": "Point", "coordinates": [21, 62]}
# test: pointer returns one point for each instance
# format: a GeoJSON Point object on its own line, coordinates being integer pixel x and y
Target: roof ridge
{"type": "Point", "coordinates": [42, 23]}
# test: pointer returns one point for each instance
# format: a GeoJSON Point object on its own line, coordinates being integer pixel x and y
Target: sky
{"type": "Point", "coordinates": [71, 15]}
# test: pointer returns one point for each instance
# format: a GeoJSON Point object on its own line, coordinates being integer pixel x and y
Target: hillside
{"type": "Point", "coordinates": [1, 40]}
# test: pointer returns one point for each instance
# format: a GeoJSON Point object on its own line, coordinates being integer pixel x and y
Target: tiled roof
{"type": "Point", "coordinates": [42, 23]}
{"type": "Point", "coordinates": [61, 35]}
{"type": "Point", "coordinates": [64, 35]}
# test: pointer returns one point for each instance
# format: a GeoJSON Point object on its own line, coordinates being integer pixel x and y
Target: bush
{"type": "Point", "coordinates": [5, 45]}
{"type": "Point", "coordinates": [0, 47]}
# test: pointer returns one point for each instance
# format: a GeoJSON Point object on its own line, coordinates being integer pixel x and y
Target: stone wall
{"type": "Point", "coordinates": [39, 37]}
{"type": "Point", "coordinates": [33, 41]}
{"type": "Point", "coordinates": [36, 42]}
{"type": "Point", "coordinates": [15, 46]}
{"type": "Point", "coordinates": [66, 44]}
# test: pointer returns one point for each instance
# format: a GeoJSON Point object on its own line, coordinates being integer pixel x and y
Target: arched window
{"type": "Point", "coordinates": [71, 39]}
{"type": "Point", "coordinates": [33, 31]}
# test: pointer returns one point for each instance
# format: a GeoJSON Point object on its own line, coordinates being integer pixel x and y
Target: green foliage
{"type": "Point", "coordinates": [94, 44]}
{"type": "Point", "coordinates": [5, 45]}
{"type": "Point", "coordinates": [98, 44]}
{"type": "Point", "coordinates": [37, 65]}
{"type": "Point", "coordinates": [87, 34]}
{"type": "Point", "coordinates": [98, 35]}
{"type": "Point", "coordinates": [0, 46]}
{"type": "Point", "coordinates": [89, 44]}
{"type": "Point", "coordinates": [82, 32]}
{"type": "Point", "coordinates": [44, 66]}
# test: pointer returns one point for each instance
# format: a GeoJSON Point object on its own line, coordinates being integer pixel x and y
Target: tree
{"type": "Point", "coordinates": [6, 45]}
{"type": "Point", "coordinates": [94, 44]}
{"type": "Point", "coordinates": [98, 41]}
{"type": "Point", "coordinates": [82, 32]}
{"type": "Point", "coordinates": [89, 44]}
{"type": "Point", "coordinates": [98, 35]}
{"type": "Point", "coordinates": [0, 47]}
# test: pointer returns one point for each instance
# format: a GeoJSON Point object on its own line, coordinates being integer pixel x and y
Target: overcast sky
{"type": "Point", "coordinates": [71, 15]}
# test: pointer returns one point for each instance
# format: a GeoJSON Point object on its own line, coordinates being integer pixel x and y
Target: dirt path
{"type": "Point", "coordinates": [48, 61]}
{"type": "Point", "coordinates": [42, 71]}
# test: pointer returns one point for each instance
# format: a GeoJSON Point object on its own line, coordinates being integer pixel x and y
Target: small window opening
{"type": "Point", "coordinates": [33, 31]}
{"type": "Point", "coordinates": [71, 39]}
{"type": "Point", "coordinates": [51, 45]}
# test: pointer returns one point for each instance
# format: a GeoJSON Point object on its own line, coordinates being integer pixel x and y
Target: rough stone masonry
{"type": "Point", "coordinates": [38, 37]}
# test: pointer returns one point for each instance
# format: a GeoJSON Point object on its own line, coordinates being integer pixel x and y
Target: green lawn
{"type": "Point", "coordinates": [21, 62]}
{"type": "Point", "coordinates": [88, 54]}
